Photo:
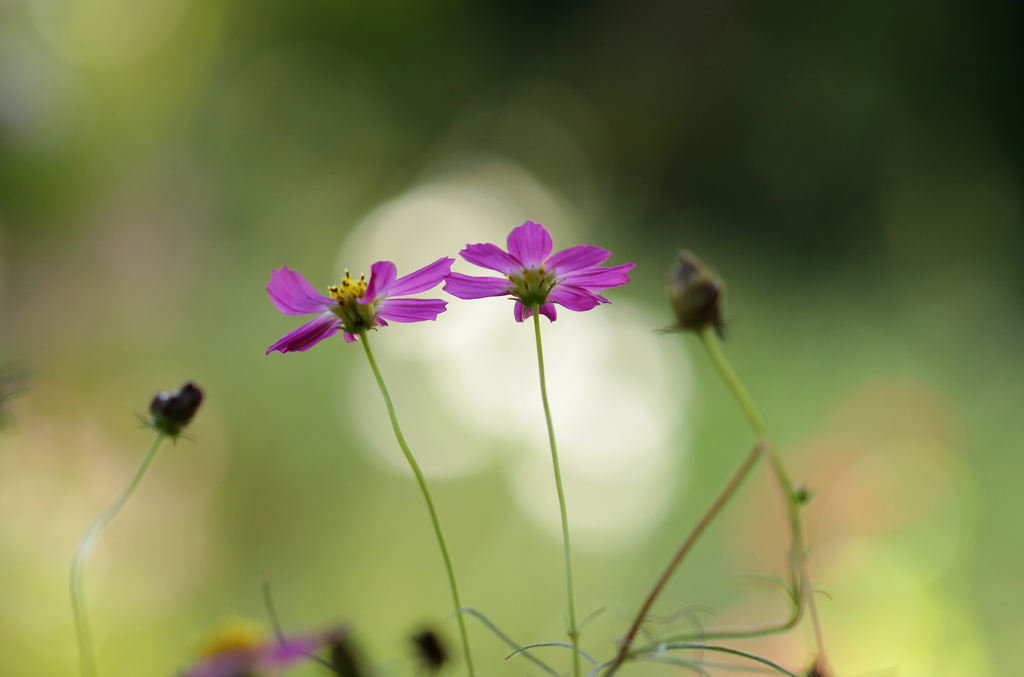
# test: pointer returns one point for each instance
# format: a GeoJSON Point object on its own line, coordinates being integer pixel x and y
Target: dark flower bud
{"type": "Point", "coordinates": [818, 669]}
{"type": "Point", "coordinates": [171, 411]}
{"type": "Point", "coordinates": [430, 650]}
{"type": "Point", "coordinates": [802, 495]}
{"type": "Point", "coordinates": [344, 658]}
{"type": "Point", "coordinates": [696, 294]}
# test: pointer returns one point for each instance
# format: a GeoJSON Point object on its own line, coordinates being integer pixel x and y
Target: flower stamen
{"type": "Point", "coordinates": [349, 288]}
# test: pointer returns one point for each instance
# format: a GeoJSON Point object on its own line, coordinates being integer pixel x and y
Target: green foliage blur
{"type": "Point", "coordinates": [852, 170]}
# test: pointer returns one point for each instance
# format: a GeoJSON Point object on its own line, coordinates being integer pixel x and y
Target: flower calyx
{"type": "Point", "coordinates": [532, 286]}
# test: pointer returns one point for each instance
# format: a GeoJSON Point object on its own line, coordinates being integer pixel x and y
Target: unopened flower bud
{"type": "Point", "coordinates": [345, 657]}
{"type": "Point", "coordinates": [802, 495]}
{"type": "Point", "coordinates": [819, 669]}
{"type": "Point", "coordinates": [171, 411]}
{"type": "Point", "coordinates": [430, 650]}
{"type": "Point", "coordinates": [696, 294]}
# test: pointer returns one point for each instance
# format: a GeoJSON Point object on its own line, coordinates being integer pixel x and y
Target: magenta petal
{"type": "Point", "coordinates": [308, 335]}
{"type": "Point", "coordinates": [288, 652]}
{"type": "Point", "coordinates": [412, 310]}
{"type": "Point", "coordinates": [530, 244]}
{"type": "Point", "coordinates": [469, 287]}
{"type": "Point", "coordinates": [349, 338]}
{"type": "Point", "coordinates": [423, 279]}
{"type": "Point", "coordinates": [599, 278]}
{"type": "Point", "coordinates": [230, 664]}
{"type": "Point", "coordinates": [548, 310]}
{"type": "Point", "coordinates": [575, 298]}
{"type": "Point", "coordinates": [491, 256]}
{"type": "Point", "coordinates": [292, 294]}
{"type": "Point", "coordinates": [576, 258]}
{"type": "Point", "coordinates": [521, 312]}
{"type": "Point", "coordinates": [382, 277]}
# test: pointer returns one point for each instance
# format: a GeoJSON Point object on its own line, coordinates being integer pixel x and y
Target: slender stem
{"type": "Point", "coordinates": [508, 640]}
{"type": "Point", "coordinates": [86, 652]}
{"type": "Point", "coordinates": [427, 497]}
{"type": "Point", "coordinates": [268, 603]}
{"type": "Point", "coordinates": [797, 554]}
{"type": "Point", "coordinates": [716, 507]}
{"type": "Point", "coordinates": [574, 634]}
{"type": "Point", "coordinates": [699, 646]}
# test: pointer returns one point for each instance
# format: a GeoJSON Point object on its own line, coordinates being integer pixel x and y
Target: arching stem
{"type": "Point", "coordinates": [574, 634]}
{"type": "Point", "coordinates": [86, 651]}
{"type": "Point", "coordinates": [449, 568]}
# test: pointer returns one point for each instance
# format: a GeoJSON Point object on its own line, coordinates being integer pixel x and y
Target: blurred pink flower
{"type": "Point", "coordinates": [535, 277]}
{"type": "Point", "coordinates": [237, 652]}
{"type": "Point", "coordinates": [354, 305]}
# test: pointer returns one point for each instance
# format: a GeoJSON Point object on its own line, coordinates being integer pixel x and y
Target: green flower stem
{"type": "Point", "coordinates": [86, 652]}
{"type": "Point", "coordinates": [574, 634]}
{"type": "Point", "coordinates": [797, 553]}
{"type": "Point", "coordinates": [801, 591]}
{"type": "Point", "coordinates": [427, 497]}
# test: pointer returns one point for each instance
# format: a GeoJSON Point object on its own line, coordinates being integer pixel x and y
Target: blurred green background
{"type": "Point", "coordinates": [853, 170]}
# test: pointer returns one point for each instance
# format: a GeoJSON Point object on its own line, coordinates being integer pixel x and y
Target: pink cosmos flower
{"type": "Point", "coordinates": [355, 305]}
{"type": "Point", "coordinates": [247, 657]}
{"type": "Point", "coordinates": [537, 279]}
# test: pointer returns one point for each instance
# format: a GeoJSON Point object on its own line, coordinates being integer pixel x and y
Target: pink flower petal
{"type": "Point", "coordinates": [412, 310]}
{"type": "Point", "coordinates": [292, 294]}
{"type": "Point", "coordinates": [576, 258]}
{"type": "Point", "coordinates": [308, 335]}
{"type": "Point", "coordinates": [598, 279]}
{"type": "Point", "coordinates": [490, 256]}
{"type": "Point", "coordinates": [521, 312]}
{"type": "Point", "coordinates": [349, 338]}
{"type": "Point", "coordinates": [575, 298]}
{"type": "Point", "coordinates": [530, 244]}
{"type": "Point", "coordinates": [469, 287]}
{"type": "Point", "coordinates": [228, 664]}
{"type": "Point", "coordinates": [280, 655]}
{"type": "Point", "coordinates": [525, 312]}
{"type": "Point", "coordinates": [382, 277]}
{"type": "Point", "coordinates": [549, 311]}
{"type": "Point", "coordinates": [423, 279]}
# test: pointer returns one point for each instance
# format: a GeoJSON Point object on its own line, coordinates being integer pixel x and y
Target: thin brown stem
{"type": "Point", "coordinates": [710, 514]}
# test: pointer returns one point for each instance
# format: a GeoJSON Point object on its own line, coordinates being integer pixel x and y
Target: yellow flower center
{"type": "Point", "coordinates": [235, 635]}
{"type": "Point", "coordinates": [349, 288]}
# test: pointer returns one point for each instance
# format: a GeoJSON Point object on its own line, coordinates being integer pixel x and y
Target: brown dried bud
{"type": "Point", "coordinates": [696, 294]}
{"type": "Point", "coordinates": [170, 412]}
{"type": "Point", "coordinates": [345, 657]}
{"type": "Point", "coordinates": [818, 669]}
{"type": "Point", "coordinates": [430, 650]}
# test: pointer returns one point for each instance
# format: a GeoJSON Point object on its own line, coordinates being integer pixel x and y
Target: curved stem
{"type": "Point", "coordinates": [729, 650]}
{"type": "Point", "coordinates": [797, 554]}
{"type": "Point", "coordinates": [564, 645]}
{"type": "Point", "coordinates": [508, 640]}
{"type": "Point", "coordinates": [716, 507]}
{"type": "Point", "coordinates": [449, 568]}
{"type": "Point", "coordinates": [574, 634]}
{"type": "Point", "coordinates": [86, 652]}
